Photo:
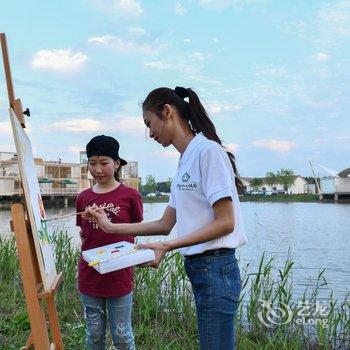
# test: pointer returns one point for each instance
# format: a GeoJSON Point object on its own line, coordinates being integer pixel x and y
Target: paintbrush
{"type": "Point", "coordinates": [68, 215]}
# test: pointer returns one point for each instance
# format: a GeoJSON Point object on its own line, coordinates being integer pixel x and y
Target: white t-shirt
{"type": "Point", "coordinates": [204, 176]}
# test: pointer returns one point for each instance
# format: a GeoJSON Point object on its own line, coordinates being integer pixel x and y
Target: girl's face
{"type": "Point", "coordinates": [102, 168]}
{"type": "Point", "coordinates": [159, 128]}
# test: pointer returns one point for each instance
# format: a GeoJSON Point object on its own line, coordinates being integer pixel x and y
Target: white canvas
{"type": "Point", "coordinates": [116, 256]}
{"type": "Point", "coordinates": [35, 208]}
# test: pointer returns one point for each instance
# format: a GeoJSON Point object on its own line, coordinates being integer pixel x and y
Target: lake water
{"type": "Point", "coordinates": [313, 235]}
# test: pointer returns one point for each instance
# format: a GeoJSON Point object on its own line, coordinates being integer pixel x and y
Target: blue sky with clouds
{"type": "Point", "coordinates": [274, 76]}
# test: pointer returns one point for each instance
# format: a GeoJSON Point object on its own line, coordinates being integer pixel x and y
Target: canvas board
{"type": "Point", "coordinates": [34, 203]}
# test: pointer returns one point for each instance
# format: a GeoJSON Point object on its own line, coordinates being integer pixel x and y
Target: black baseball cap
{"type": "Point", "coordinates": [103, 145]}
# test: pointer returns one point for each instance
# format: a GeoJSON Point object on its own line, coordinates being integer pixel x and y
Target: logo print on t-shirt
{"type": "Point", "coordinates": [185, 177]}
{"type": "Point", "coordinates": [108, 208]}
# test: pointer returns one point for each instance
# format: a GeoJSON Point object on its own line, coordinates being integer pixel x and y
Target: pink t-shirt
{"type": "Point", "coordinates": [124, 205]}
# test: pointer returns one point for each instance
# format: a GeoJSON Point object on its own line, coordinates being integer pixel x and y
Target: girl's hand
{"type": "Point", "coordinates": [98, 216]}
{"type": "Point", "coordinates": [160, 249]}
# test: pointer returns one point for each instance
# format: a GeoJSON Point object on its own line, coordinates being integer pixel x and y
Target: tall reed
{"type": "Point", "coordinates": [164, 312]}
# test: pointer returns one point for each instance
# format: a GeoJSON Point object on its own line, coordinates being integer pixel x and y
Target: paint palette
{"type": "Point", "coordinates": [116, 256]}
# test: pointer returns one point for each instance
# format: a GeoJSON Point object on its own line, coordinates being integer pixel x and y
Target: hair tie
{"type": "Point", "coordinates": [181, 92]}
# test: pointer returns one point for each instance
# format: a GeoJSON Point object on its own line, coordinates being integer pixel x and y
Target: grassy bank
{"type": "Point", "coordinates": [280, 198]}
{"type": "Point", "coordinates": [163, 312]}
{"type": "Point", "coordinates": [161, 199]}
{"type": "Point", "coordinates": [306, 198]}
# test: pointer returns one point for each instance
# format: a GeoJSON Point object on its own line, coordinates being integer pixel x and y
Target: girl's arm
{"type": "Point", "coordinates": [162, 226]}
{"type": "Point", "coordinates": [222, 224]}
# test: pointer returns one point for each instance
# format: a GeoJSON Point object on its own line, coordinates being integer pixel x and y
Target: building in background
{"type": "Point", "coordinates": [337, 185]}
{"type": "Point", "coordinates": [297, 187]}
{"type": "Point", "coordinates": [56, 178]}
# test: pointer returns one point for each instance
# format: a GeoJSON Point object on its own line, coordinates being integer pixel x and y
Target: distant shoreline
{"type": "Point", "coordinates": [303, 198]}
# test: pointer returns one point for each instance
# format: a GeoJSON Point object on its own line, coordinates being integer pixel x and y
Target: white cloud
{"type": "Point", "coordinates": [186, 68]}
{"type": "Point", "coordinates": [187, 40]}
{"type": "Point", "coordinates": [58, 60]}
{"type": "Point", "coordinates": [167, 154]}
{"type": "Point", "coordinates": [7, 148]}
{"type": "Point", "coordinates": [232, 147]}
{"type": "Point", "coordinates": [280, 146]}
{"type": "Point", "coordinates": [131, 7]}
{"type": "Point", "coordinates": [223, 4]}
{"type": "Point", "coordinates": [137, 31]}
{"type": "Point", "coordinates": [199, 56]}
{"type": "Point", "coordinates": [270, 72]}
{"type": "Point", "coordinates": [75, 149]}
{"type": "Point", "coordinates": [335, 16]}
{"type": "Point", "coordinates": [123, 45]}
{"type": "Point", "coordinates": [321, 56]}
{"type": "Point", "coordinates": [127, 125]}
{"type": "Point", "coordinates": [179, 9]}
{"type": "Point", "coordinates": [202, 79]}
{"type": "Point", "coordinates": [126, 8]}
{"type": "Point", "coordinates": [77, 125]}
{"type": "Point", "coordinates": [216, 40]}
{"type": "Point", "coordinates": [5, 128]}
{"type": "Point", "coordinates": [219, 107]}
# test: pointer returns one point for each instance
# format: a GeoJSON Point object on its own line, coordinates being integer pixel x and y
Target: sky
{"type": "Point", "coordinates": [273, 75]}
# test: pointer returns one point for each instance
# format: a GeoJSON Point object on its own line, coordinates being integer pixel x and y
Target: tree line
{"type": "Point", "coordinates": [152, 186]}
{"type": "Point", "coordinates": [284, 177]}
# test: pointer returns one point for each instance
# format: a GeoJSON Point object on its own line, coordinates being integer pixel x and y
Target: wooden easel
{"type": "Point", "coordinates": [33, 288]}
{"type": "Point", "coordinates": [35, 294]}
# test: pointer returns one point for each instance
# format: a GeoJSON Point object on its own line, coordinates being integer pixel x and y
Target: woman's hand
{"type": "Point", "coordinates": [98, 216]}
{"type": "Point", "coordinates": [159, 248]}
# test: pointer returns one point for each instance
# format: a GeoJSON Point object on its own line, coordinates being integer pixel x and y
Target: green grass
{"type": "Point", "coordinates": [280, 198]}
{"type": "Point", "coordinates": [161, 199]}
{"type": "Point", "coordinates": [163, 311]}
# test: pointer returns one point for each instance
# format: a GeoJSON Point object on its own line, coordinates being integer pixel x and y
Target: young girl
{"type": "Point", "coordinates": [204, 204]}
{"type": "Point", "coordinates": [108, 294]}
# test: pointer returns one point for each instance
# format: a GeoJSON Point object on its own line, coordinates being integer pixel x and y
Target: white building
{"type": "Point", "coordinates": [336, 185]}
{"type": "Point", "coordinates": [55, 177]}
{"type": "Point", "coordinates": [297, 187]}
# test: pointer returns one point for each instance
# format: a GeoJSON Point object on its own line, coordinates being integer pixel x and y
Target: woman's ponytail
{"type": "Point", "coordinates": [192, 111]}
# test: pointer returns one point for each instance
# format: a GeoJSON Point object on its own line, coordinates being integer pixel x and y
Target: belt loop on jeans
{"type": "Point", "coordinates": [213, 252]}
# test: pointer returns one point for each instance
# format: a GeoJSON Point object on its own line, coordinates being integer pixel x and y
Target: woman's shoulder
{"type": "Point", "coordinates": [210, 146]}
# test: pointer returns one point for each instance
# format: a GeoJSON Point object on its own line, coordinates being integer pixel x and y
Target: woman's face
{"type": "Point", "coordinates": [102, 168]}
{"type": "Point", "coordinates": [159, 128]}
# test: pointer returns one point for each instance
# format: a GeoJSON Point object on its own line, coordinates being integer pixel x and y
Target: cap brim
{"type": "Point", "coordinates": [122, 161]}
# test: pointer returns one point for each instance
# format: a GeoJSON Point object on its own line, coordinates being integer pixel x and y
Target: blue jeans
{"type": "Point", "coordinates": [216, 287]}
{"type": "Point", "coordinates": [119, 317]}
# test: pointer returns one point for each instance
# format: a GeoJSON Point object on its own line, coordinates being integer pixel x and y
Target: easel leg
{"type": "Point", "coordinates": [53, 319]}
{"type": "Point", "coordinates": [29, 342]}
{"type": "Point", "coordinates": [36, 315]}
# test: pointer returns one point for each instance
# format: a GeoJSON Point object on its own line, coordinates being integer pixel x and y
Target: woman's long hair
{"type": "Point", "coordinates": [192, 111]}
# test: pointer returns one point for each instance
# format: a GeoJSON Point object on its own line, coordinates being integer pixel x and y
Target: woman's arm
{"type": "Point", "coordinates": [162, 226]}
{"type": "Point", "coordinates": [222, 224]}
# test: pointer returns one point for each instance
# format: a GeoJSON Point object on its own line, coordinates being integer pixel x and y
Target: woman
{"type": "Point", "coordinates": [203, 203]}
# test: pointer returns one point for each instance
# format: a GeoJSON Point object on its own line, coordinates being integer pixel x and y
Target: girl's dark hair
{"type": "Point", "coordinates": [192, 111]}
{"type": "Point", "coordinates": [117, 173]}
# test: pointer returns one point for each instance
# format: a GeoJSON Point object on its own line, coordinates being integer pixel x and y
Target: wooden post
{"type": "Point", "coordinates": [32, 286]}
